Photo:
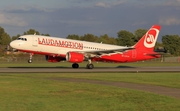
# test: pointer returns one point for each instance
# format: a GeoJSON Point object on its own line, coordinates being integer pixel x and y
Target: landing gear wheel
{"type": "Point", "coordinates": [75, 65]}
{"type": "Point", "coordinates": [30, 58]}
{"type": "Point", "coordinates": [90, 66]}
{"type": "Point", "coordinates": [29, 61]}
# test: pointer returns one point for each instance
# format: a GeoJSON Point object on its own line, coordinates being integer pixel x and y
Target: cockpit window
{"type": "Point", "coordinates": [23, 39]}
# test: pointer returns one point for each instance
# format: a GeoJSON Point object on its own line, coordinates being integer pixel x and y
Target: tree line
{"type": "Point", "coordinates": [171, 43]}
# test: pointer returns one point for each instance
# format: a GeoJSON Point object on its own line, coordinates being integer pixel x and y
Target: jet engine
{"type": "Point", "coordinates": [74, 57]}
{"type": "Point", "coordinates": [52, 59]}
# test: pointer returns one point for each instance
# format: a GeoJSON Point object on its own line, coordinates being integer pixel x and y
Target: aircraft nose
{"type": "Point", "coordinates": [13, 44]}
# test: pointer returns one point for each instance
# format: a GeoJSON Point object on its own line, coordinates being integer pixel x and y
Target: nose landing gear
{"type": "Point", "coordinates": [30, 58]}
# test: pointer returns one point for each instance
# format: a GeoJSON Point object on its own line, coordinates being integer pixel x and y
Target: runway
{"type": "Point", "coordinates": [83, 70]}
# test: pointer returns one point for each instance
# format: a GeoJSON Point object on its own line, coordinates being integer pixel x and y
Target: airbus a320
{"type": "Point", "coordinates": [75, 51]}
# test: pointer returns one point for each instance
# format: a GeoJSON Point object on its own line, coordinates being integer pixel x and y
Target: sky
{"type": "Point", "coordinates": [61, 18]}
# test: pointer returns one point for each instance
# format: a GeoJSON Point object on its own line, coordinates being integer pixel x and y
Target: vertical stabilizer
{"type": "Point", "coordinates": [148, 41]}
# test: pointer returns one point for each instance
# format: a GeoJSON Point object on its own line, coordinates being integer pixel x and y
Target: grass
{"type": "Point", "coordinates": [37, 91]}
{"type": "Point", "coordinates": [161, 79]}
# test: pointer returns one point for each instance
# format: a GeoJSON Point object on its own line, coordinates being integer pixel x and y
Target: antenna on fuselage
{"type": "Point", "coordinates": [34, 33]}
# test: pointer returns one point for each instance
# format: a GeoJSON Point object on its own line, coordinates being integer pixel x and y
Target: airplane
{"type": "Point", "coordinates": [75, 51]}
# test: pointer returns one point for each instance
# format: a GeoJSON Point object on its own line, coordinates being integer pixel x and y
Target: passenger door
{"type": "Point", "coordinates": [35, 41]}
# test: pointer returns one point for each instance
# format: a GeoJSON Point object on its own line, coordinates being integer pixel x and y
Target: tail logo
{"type": "Point", "coordinates": [150, 38]}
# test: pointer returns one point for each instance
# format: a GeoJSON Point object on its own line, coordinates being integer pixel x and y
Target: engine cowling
{"type": "Point", "coordinates": [74, 57]}
{"type": "Point", "coordinates": [52, 59]}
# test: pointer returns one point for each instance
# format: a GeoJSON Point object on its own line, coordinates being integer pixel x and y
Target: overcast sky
{"type": "Point", "coordinates": [63, 17]}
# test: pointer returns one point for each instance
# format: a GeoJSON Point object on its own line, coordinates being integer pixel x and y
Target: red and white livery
{"type": "Point", "coordinates": [75, 51]}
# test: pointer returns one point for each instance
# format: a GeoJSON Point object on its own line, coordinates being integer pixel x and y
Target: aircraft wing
{"type": "Point", "coordinates": [104, 52]}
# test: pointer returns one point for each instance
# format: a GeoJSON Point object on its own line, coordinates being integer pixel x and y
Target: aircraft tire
{"type": "Point", "coordinates": [75, 65]}
{"type": "Point", "coordinates": [90, 66]}
{"type": "Point", "coordinates": [29, 61]}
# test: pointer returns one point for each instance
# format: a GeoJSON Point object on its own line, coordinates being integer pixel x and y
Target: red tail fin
{"type": "Point", "coordinates": [148, 41]}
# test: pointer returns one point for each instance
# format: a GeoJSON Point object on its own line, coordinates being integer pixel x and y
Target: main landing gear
{"type": "Point", "coordinates": [75, 65]}
{"type": "Point", "coordinates": [88, 66]}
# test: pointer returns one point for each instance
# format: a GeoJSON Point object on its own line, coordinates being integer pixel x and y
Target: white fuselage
{"type": "Point", "coordinates": [57, 46]}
